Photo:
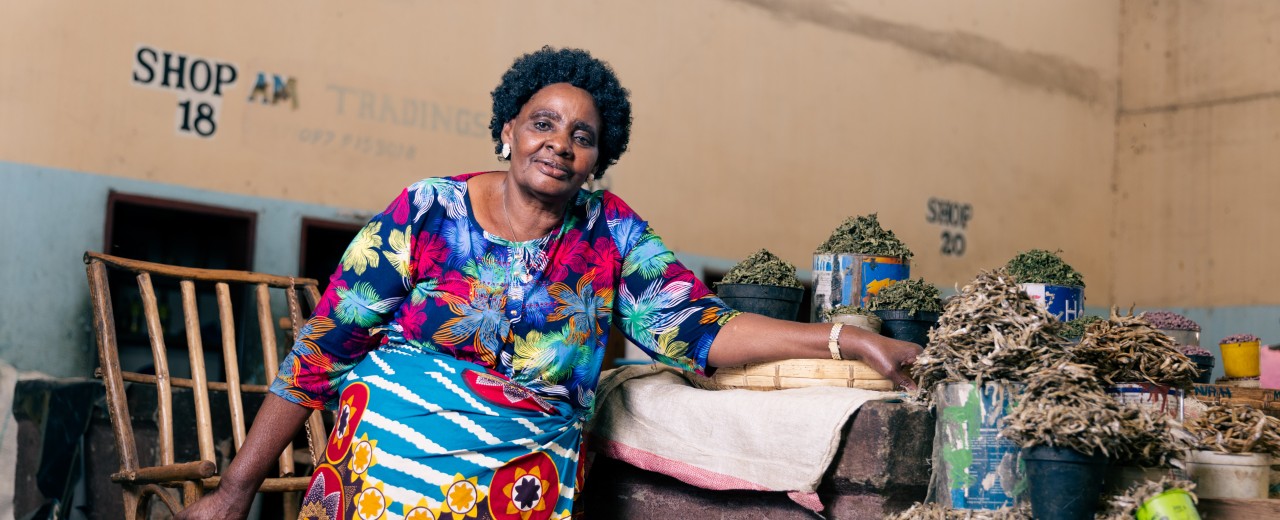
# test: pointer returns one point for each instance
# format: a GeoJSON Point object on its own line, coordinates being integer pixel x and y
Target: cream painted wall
{"type": "Point", "coordinates": [758, 123]}
{"type": "Point", "coordinates": [1198, 149]}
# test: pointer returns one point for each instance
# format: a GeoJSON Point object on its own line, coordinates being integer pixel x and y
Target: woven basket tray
{"type": "Point", "coordinates": [800, 373]}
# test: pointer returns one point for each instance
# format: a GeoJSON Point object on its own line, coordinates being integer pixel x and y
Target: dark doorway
{"type": "Point", "coordinates": [176, 233]}
{"type": "Point", "coordinates": [323, 242]}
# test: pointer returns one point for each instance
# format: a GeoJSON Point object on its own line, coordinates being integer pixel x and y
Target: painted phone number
{"type": "Point", "coordinates": [364, 144]}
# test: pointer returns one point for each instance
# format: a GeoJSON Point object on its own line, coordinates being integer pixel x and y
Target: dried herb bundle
{"type": "Point", "coordinates": [1066, 406]}
{"type": "Point", "coordinates": [1126, 349]}
{"type": "Point", "coordinates": [922, 511]}
{"type": "Point", "coordinates": [863, 235]}
{"type": "Point", "coordinates": [908, 295]}
{"type": "Point", "coordinates": [1040, 266]}
{"type": "Point", "coordinates": [849, 309]}
{"type": "Point", "coordinates": [1125, 505]}
{"type": "Point", "coordinates": [1170, 321]}
{"type": "Point", "coordinates": [1074, 329]}
{"type": "Point", "coordinates": [763, 268]}
{"type": "Point", "coordinates": [1236, 429]}
{"type": "Point", "coordinates": [990, 331]}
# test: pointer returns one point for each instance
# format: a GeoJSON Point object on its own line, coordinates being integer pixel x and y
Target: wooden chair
{"type": "Point", "coordinates": [194, 477]}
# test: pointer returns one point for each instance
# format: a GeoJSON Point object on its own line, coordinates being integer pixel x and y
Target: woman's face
{"type": "Point", "coordinates": [554, 141]}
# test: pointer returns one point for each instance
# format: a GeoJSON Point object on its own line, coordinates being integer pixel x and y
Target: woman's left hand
{"type": "Point", "coordinates": [891, 358]}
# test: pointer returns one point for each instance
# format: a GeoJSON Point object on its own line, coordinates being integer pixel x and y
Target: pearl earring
{"type": "Point", "coordinates": [506, 151]}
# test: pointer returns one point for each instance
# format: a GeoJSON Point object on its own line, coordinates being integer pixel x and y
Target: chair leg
{"type": "Point", "coordinates": [191, 492]}
{"type": "Point", "coordinates": [132, 501]}
{"type": "Point", "coordinates": [292, 504]}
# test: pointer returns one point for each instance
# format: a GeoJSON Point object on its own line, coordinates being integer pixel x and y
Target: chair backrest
{"type": "Point", "coordinates": [198, 474]}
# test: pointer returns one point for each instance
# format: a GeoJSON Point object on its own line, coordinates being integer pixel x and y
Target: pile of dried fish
{"type": "Point", "coordinates": [1067, 406]}
{"type": "Point", "coordinates": [763, 268]}
{"type": "Point", "coordinates": [990, 331]}
{"type": "Point", "coordinates": [1040, 266]}
{"type": "Point", "coordinates": [863, 235]}
{"type": "Point", "coordinates": [1125, 505]}
{"type": "Point", "coordinates": [1126, 349]}
{"type": "Point", "coordinates": [1236, 429]}
{"type": "Point", "coordinates": [908, 295]}
{"type": "Point", "coordinates": [921, 511]}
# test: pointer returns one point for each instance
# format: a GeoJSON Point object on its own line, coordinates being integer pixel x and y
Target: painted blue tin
{"type": "Point", "coordinates": [1065, 303]}
{"type": "Point", "coordinates": [848, 279]}
{"type": "Point", "coordinates": [973, 466]}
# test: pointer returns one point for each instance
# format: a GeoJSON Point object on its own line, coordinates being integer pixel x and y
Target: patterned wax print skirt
{"type": "Point", "coordinates": [420, 435]}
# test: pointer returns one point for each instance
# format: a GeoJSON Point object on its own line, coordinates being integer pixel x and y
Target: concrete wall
{"type": "Point", "coordinates": [1198, 155]}
{"type": "Point", "coordinates": [758, 123]}
{"type": "Point", "coordinates": [52, 216]}
{"type": "Point", "coordinates": [1135, 136]}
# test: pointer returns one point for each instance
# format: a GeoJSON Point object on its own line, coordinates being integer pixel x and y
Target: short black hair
{"type": "Point", "coordinates": [547, 66]}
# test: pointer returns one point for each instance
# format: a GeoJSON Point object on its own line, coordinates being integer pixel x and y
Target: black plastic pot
{"type": "Point", "coordinates": [769, 300]}
{"type": "Point", "coordinates": [1063, 484]}
{"type": "Point", "coordinates": [1205, 366]}
{"type": "Point", "coordinates": [902, 325]}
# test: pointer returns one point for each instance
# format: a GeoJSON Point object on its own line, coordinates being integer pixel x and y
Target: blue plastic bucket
{"type": "Point", "coordinates": [1064, 303]}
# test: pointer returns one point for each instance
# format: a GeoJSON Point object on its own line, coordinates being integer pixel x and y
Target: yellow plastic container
{"type": "Point", "coordinates": [1241, 359]}
{"type": "Point", "coordinates": [1174, 504]}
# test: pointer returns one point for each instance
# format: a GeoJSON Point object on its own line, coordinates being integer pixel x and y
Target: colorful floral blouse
{"type": "Point", "coordinates": [424, 274]}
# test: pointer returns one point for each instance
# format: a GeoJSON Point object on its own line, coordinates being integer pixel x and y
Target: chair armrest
{"type": "Point", "coordinates": [197, 470]}
{"type": "Point", "coordinates": [270, 485]}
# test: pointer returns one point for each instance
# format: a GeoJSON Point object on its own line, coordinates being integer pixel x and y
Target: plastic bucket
{"type": "Point", "coordinates": [902, 325]}
{"type": "Point", "coordinates": [769, 300]}
{"type": "Point", "coordinates": [973, 466]}
{"type": "Point", "coordinates": [1204, 365]}
{"type": "Point", "coordinates": [1240, 359]}
{"type": "Point", "coordinates": [868, 323]}
{"type": "Point", "coordinates": [1230, 475]}
{"type": "Point", "coordinates": [1174, 504]}
{"type": "Point", "coordinates": [1063, 302]}
{"type": "Point", "coordinates": [1183, 337]}
{"type": "Point", "coordinates": [848, 279]}
{"type": "Point", "coordinates": [1269, 361]}
{"type": "Point", "coordinates": [1063, 483]}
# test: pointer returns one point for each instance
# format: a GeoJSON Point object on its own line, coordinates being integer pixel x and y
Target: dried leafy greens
{"type": "Point", "coordinates": [1040, 266]}
{"type": "Point", "coordinates": [849, 309]}
{"type": "Point", "coordinates": [762, 268]}
{"type": "Point", "coordinates": [908, 295]}
{"type": "Point", "coordinates": [864, 236]}
{"type": "Point", "coordinates": [1075, 329]}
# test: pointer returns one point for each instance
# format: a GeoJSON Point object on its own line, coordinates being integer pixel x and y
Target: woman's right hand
{"type": "Point", "coordinates": [890, 358]}
{"type": "Point", "coordinates": [273, 428]}
{"type": "Point", "coordinates": [216, 506]}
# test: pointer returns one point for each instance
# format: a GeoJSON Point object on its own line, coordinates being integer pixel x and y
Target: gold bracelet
{"type": "Point", "coordinates": [833, 342]}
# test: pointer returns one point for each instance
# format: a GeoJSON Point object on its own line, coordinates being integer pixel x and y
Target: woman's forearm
{"type": "Point", "coordinates": [751, 338]}
{"type": "Point", "coordinates": [273, 428]}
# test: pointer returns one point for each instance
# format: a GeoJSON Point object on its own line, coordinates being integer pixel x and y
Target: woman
{"type": "Point", "coordinates": [462, 336]}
